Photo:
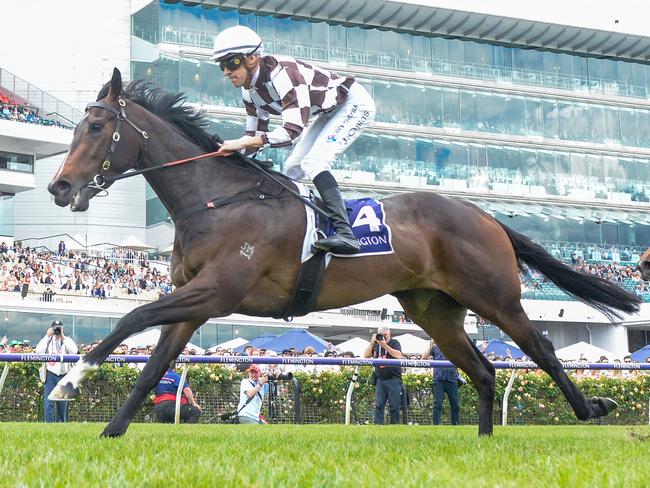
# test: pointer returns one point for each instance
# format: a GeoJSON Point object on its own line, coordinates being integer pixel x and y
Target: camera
{"type": "Point", "coordinates": [228, 415]}
{"type": "Point", "coordinates": [57, 330]}
{"type": "Point", "coordinates": [279, 377]}
{"type": "Point", "coordinates": [380, 337]}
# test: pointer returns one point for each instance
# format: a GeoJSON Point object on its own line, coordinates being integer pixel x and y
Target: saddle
{"type": "Point", "coordinates": [369, 226]}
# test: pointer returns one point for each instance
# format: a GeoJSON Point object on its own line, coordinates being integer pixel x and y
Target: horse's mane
{"type": "Point", "coordinates": [171, 108]}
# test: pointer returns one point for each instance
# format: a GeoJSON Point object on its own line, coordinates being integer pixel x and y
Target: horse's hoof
{"type": "Point", "coordinates": [485, 430]}
{"type": "Point", "coordinates": [63, 392]}
{"type": "Point", "coordinates": [112, 432]}
{"type": "Point", "coordinates": [602, 406]}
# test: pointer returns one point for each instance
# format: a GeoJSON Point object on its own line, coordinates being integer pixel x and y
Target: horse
{"type": "Point", "coordinates": [644, 265]}
{"type": "Point", "coordinates": [238, 239]}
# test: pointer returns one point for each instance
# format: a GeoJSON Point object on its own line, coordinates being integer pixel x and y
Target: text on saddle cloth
{"type": "Point", "coordinates": [369, 226]}
{"type": "Point", "coordinates": [368, 222]}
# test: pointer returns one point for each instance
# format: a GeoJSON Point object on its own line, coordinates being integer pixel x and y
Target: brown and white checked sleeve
{"type": "Point", "coordinates": [293, 96]}
{"type": "Point", "coordinates": [257, 120]}
{"type": "Point", "coordinates": [292, 89]}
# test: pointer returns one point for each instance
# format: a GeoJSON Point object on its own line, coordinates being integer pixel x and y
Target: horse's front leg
{"type": "Point", "coordinates": [170, 344]}
{"type": "Point", "coordinates": [198, 300]}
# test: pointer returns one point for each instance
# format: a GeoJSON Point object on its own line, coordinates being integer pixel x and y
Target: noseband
{"type": "Point", "coordinates": [99, 180]}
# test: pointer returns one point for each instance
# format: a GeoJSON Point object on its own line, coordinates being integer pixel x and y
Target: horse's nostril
{"type": "Point", "coordinates": [59, 187]}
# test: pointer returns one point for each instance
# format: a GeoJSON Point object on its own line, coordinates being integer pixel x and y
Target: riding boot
{"type": "Point", "coordinates": [343, 241]}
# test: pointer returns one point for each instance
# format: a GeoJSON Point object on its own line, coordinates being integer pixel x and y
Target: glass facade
{"type": "Point", "coordinates": [84, 329]}
{"type": "Point", "coordinates": [17, 162]}
{"type": "Point", "coordinates": [483, 140]}
{"type": "Point", "coordinates": [512, 169]}
{"type": "Point", "coordinates": [428, 105]}
{"type": "Point", "coordinates": [480, 167]}
{"type": "Point", "coordinates": [32, 326]}
{"type": "Point", "coordinates": [542, 229]}
{"type": "Point", "coordinates": [176, 24]}
{"type": "Point", "coordinates": [6, 215]}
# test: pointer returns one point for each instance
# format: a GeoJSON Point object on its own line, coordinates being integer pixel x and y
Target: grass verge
{"type": "Point", "coordinates": [53, 455]}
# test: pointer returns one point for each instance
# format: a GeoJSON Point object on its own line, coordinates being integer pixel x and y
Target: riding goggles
{"type": "Point", "coordinates": [232, 63]}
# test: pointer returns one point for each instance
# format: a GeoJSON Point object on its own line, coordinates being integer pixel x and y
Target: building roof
{"type": "Point", "coordinates": [432, 20]}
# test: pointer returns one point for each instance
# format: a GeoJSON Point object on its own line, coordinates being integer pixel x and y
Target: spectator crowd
{"type": "Point", "coordinates": [11, 110]}
{"type": "Point", "coordinates": [125, 274]}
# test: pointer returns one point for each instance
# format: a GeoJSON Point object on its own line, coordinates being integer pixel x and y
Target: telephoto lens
{"type": "Point", "coordinates": [228, 415]}
{"type": "Point", "coordinates": [57, 330]}
{"type": "Point", "coordinates": [380, 337]}
{"type": "Point", "coordinates": [280, 376]}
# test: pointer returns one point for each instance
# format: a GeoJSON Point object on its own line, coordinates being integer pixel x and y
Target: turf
{"type": "Point", "coordinates": [323, 455]}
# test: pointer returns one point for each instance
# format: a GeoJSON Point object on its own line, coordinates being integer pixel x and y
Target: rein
{"type": "Point", "coordinates": [100, 180]}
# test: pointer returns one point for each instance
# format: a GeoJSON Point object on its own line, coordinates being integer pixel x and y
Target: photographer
{"type": "Point", "coordinates": [165, 401]}
{"type": "Point", "coordinates": [388, 379]}
{"type": "Point", "coordinates": [55, 342]}
{"type": "Point", "coordinates": [251, 396]}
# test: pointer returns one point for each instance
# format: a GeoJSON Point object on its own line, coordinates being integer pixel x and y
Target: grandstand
{"type": "Point", "coordinates": [544, 126]}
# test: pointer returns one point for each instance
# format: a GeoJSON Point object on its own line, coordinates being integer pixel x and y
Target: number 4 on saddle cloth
{"type": "Point", "coordinates": [367, 220]}
{"type": "Point", "coordinates": [366, 217]}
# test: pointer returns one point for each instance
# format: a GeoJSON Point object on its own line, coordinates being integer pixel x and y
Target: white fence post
{"type": "Point", "coordinates": [348, 396]}
{"type": "Point", "coordinates": [179, 394]}
{"type": "Point", "coordinates": [506, 394]}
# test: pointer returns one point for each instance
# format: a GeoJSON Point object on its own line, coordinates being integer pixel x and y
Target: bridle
{"type": "Point", "coordinates": [99, 180]}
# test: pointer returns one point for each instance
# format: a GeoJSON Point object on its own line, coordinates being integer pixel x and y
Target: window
{"type": "Point", "coordinates": [16, 162]}
{"type": "Point", "coordinates": [534, 117]}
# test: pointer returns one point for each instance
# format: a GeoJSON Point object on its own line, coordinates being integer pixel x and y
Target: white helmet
{"type": "Point", "coordinates": [236, 40]}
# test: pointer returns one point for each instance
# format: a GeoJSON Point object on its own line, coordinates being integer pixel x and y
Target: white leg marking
{"type": "Point", "coordinates": [64, 392]}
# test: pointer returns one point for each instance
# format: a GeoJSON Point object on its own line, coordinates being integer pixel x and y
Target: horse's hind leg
{"type": "Point", "coordinates": [442, 318]}
{"type": "Point", "coordinates": [511, 318]}
{"type": "Point", "coordinates": [173, 339]}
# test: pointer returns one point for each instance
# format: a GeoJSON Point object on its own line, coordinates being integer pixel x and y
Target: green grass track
{"type": "Point", "coordinates": [153, 455]}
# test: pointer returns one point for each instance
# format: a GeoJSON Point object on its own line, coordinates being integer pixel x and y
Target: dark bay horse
{"type": "Point", "coordinates": [644, 265]}
{"type": "Point", "coordinates": [450, 256]}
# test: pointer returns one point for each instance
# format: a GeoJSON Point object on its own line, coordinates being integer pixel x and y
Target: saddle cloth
{"type": "Point", "coordinates": [368, 223]}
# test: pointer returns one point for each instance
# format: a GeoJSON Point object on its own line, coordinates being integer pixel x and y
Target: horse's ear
{"type": "Point", "coordinates": [115, 86]}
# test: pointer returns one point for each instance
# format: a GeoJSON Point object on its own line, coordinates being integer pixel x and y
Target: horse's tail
{"type": "Point", "coordinates": [597, 292]}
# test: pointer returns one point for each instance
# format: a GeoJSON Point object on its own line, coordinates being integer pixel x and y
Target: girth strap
{"type": "Point", "coordinates": [310, 280]}
{"type": "Point", "coordinates": [307, 287]}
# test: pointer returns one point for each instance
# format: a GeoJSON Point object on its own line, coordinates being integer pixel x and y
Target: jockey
{"type": "Point", "coordinates": [296, 90]}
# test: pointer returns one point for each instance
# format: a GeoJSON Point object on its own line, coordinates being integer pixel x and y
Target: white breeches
{"type": "Point", "coordinates": [330, 134]}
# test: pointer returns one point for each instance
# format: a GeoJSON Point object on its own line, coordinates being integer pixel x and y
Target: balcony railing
{"type": "Point", "coordinates": [415, 64]}
{"type": "Point", "coordinates": [39, 98]}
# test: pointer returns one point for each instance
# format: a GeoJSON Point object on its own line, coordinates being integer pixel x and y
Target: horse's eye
{"type": "Point", "coordinates": [96, 127]}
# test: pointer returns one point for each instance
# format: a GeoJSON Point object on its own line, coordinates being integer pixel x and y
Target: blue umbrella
{"type": "Point", "coordinates": [297, 338]}
{"type": "Point", "coordinates": [254, 342]}
{"type": "Point", "coordinates": [500, 348]}
{"type": "Point", "coordinates": [641, 354]}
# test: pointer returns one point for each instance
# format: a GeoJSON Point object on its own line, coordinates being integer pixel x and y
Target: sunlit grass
{"type": "Point", "coordinates": [323, 455]}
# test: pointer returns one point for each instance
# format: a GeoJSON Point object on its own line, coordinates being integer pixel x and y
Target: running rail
{"type": "Point", "coordinates": [403, 363]}
{"type": "Point", "coordinates": [311, 361]}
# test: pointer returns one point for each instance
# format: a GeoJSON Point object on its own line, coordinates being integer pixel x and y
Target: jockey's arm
{"type": "Point", "coordinates": [245, 142]}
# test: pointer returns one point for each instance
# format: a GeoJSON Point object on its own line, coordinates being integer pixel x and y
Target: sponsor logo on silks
{"type": "Point", "coordinates": [334, 137]}
{"type": "Point", "coordinates": [353, 130]}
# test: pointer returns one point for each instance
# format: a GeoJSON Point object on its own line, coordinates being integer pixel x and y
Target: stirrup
{"type": "Point", "coordinates": [337, 245]}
